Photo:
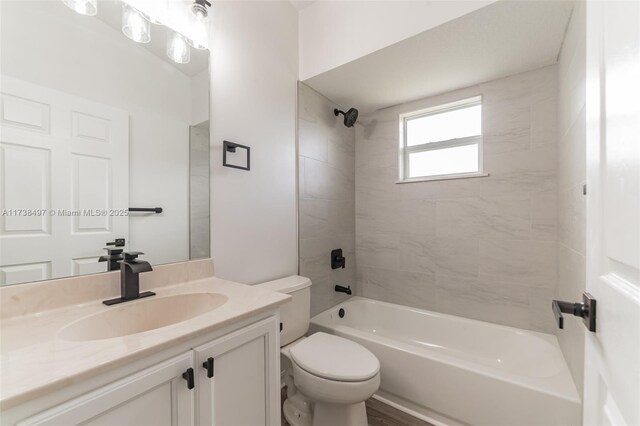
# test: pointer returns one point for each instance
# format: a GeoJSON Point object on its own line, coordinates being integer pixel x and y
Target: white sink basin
{"type": "Point", "coordinates": [144, 315]}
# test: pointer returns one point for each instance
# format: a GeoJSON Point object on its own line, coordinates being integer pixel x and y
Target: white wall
{"type": "Point", "coordinates": [254, 73]}
{"type": "Point", "coordinates": [200, 94]}
{"type": "Point", "coordinates": [41, 45]}
{"type": "Point", "coordinates": [571, 177]}
{"type": "Point", "coordinates": [333, 33]}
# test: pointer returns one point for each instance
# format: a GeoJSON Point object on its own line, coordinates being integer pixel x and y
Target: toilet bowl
{"type": "Point", "coordinates": [328, 377]}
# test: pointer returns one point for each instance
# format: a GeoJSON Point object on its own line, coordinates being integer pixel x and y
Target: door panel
{"type": "Point", "coordinates": [13, 274]}
{"type": "Point", "coordinates": [91, 191]}
{"type": "Point", "coordinates": [25, 113]}
{"type": "Point", "coordinates": [612, 353]}
{"type": "Point", "coordinates": [24, 173]}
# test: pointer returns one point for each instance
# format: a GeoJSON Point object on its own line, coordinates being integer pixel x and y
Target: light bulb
{"type": "Point", "coordinates": [199, 10]}
{"type": "Point", "coordinates": [83, 7]}
{"type": "Point", "coordinates": [135, 25]}
{"type": "Point", "coordinates": [197, 35]}
{"type": "Point", "coordinates": [178, 49]}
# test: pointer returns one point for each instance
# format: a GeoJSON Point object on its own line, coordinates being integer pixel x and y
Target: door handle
{"type": "Point", "coordinates": [208, 364]}
{"type": "Point", "coordinates": [585, 310]}
{"type": "Point", "coordinates": [188, 376]}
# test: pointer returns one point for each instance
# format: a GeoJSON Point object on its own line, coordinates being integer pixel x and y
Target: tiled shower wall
{"type": "Point", "coordinates": [326, 210]}
{"type": "Point", "coordinates": [571, 177]}
{"type": "Point", "coordinates": [482, 248]}
{"type": "Point", "coordinates": [199, 203]}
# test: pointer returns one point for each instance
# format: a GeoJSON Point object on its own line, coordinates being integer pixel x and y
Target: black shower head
{"type": "Point", "coordinates": [350, 116]}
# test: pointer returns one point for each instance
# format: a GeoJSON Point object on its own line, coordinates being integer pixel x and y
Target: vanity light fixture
{"type": "Point", "coordinates": [178, 49]}
{"type": "Point", "coordinates": [189, 25]}
{"type": "Point", "coordinates": [135, 25]}
{"type": "Point", "coordinates": [83, 7]}
{"type": "Point", "coordinates": [195, 44]}
{"type": "Point", "coordinates": [199, 9]}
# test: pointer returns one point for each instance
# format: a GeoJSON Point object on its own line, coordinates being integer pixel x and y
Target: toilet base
{"type": "Point", "coordinates": [297, 412]}
{"type": "Point", "coordinates": [339, 414]}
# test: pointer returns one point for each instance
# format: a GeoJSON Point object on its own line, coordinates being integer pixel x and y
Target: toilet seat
{"type": "Point", "coordinates": [334, 358]}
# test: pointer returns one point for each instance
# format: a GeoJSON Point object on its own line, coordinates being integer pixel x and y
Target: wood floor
{"type": "Point", "coordinates": [378, 414]}
{"type": "Point", "coordinates": [381, 414]}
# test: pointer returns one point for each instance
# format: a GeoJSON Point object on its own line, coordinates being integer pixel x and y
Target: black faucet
{"type": "Point", "coordinates": [130, 269]}
{"type": "Point", "coordinates": [113, 257]}
{"type": "Point", "coordinates": [342, 289]}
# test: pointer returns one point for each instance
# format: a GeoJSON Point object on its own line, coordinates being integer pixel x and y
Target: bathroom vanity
{"type": "Point", "coordinates": [211, 358]}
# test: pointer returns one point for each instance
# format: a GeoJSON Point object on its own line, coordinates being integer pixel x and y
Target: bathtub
{"type": "Point", "coordinates": [454, 371]}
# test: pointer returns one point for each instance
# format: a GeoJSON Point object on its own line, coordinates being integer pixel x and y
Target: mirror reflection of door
{"type": "Point", "coordinates": [91, 121]}
{"type": "Point", "coordinates": [61, 156]}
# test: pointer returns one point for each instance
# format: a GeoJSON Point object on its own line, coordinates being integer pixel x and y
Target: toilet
{"type": "Point", "coordinates": [328, 377]}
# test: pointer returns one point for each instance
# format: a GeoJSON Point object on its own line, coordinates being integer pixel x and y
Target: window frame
{"type": "Point", "coordinates": [406, 151]}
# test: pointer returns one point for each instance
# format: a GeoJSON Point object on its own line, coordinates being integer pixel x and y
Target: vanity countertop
{"type": "Point", "coordinates": [34, 360]}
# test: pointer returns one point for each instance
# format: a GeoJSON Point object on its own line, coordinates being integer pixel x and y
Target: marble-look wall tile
{"type": "Point", "coordinates": [570, 204]}
{"type": "Point", "coordinates": [487, 300]}
{"type": "Point", "coordinates": [456, 256]}
{"type": "Point", "coordinates": [380, 250]}
{"type": "Point", "coordinates": [417, 290]}
{"type": "Point", "coordinates": [521, 262]}
{"type": "Point", "coordinates": [316, 144]}
{"type": "Point", "coordinates": [326, 182]}
{"type": "Point", "coordinates": [482, 248]}
{"type": "Point", "coordinates": [327, 201]}
{"type": "Point", "coordinates": [199, 193]}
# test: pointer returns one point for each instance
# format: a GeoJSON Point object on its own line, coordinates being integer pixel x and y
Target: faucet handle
{"type": "Point", "coordinates": [115, 251]}
{"type": "Point", "coordinates": [119, 242]}
{"type": "Point", "coordinates": [132, 255]}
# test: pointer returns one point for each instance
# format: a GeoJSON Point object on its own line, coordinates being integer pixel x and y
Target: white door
{"type": "Point", "coordinates": [612, 353]}
{"type": "Point", "coordinates": [64, 167]}
{"type": "Point", "coordinates": [156, 396]}
{"type": "Point", "coordinates": [239, 378]}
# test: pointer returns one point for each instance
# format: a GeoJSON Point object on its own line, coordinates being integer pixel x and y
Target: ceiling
{"type": "Point", "coordinates": [504, 38]}
{"type": "Point", "coordinates": [110, 12]}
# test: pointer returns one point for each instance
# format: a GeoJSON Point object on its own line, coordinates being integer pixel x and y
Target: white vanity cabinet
{"type": "Point", "coordinates": [244, 388]}
{"type": "Point", "coordinates": [157, 395]}
{"type": "Point", "coordinates": [238, 378]}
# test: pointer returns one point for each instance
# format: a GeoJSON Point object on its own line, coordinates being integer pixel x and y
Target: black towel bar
{"type": "Point", "coordinates": [146, 209]}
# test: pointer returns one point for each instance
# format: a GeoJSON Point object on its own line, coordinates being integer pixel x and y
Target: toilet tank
{"type": "Point", "coordinates": [295, 314]}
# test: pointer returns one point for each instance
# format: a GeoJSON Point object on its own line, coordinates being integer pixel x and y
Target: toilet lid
{"type": "Point", "coordinates": [335, 358]}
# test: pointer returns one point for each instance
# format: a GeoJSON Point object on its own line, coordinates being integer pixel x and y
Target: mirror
{"type": "Point", "coordinates": [102, 139]}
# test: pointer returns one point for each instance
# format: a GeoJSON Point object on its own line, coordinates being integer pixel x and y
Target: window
{"type": "Point", "coordinates": [443, 142]}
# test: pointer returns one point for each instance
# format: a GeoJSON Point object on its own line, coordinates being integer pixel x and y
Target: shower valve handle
{"type": "Point", "coordinates": [337, 259]}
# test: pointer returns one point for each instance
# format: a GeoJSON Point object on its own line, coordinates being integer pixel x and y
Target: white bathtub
{"type": "Point", "coordinates": [452, 370]}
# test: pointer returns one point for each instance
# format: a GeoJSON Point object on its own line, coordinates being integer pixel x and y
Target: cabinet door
{"type": "Point", "coordinates": [244, 389]}
{"type": "Point", "coordinates": [155, 396]}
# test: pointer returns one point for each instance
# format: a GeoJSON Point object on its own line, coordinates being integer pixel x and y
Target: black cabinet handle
{"type": "Point", "coordinates": [208, 364]}
{"type": "Point", "coordinates": [188, 376]}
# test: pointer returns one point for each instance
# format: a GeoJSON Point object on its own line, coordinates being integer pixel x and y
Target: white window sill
{"type": "Point", "coordinates": [444, 177]}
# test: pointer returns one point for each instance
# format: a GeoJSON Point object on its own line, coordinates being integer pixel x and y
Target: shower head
{"type": "Point", "coordinates": [350, 116]}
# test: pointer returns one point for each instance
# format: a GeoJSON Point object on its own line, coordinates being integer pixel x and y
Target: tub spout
{"type": "Point", "coordinates": [341, 289]}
